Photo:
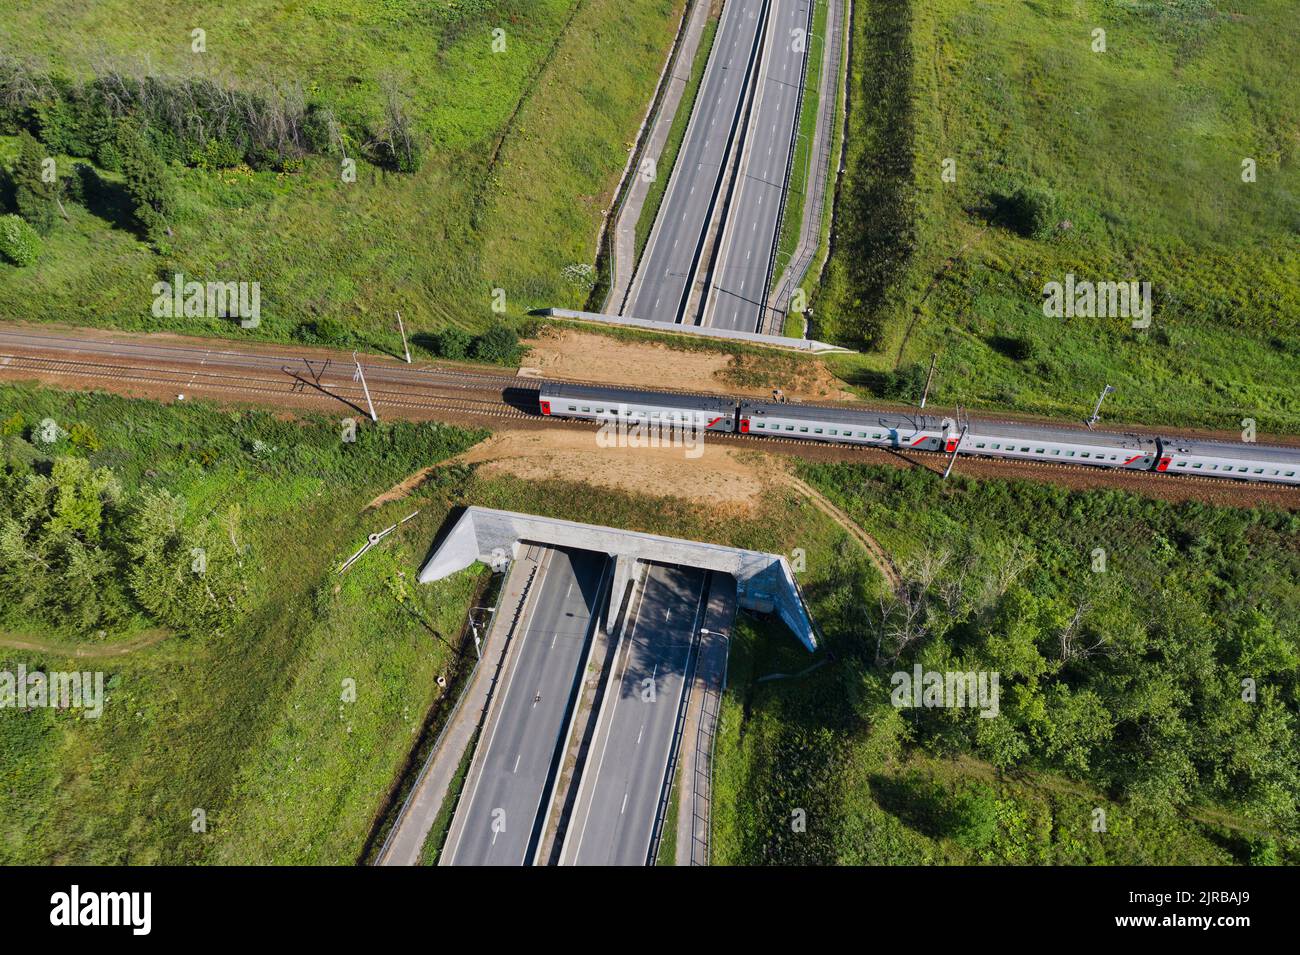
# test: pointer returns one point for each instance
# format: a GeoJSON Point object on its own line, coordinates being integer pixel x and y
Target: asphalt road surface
{"type": "Point", "coordinates": [742, 273]}
{"type": "Point", "coordinates": [498, 818]}
{"type": "Point", "coordinates": [659, 289]}
{"type": "Point", "coordinates": [616, 814]}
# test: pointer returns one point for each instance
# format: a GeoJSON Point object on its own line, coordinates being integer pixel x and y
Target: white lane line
{"type": "Point", "coordinates": [624, 806]}
{"type": "Point", "coordinates": [517, 758]}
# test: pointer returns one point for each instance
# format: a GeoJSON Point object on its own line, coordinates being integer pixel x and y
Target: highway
{"type": "Point", "coordinates": [506, 794]}
{"type": "Point", "coordinates": [660, 287]}
{"type": "Point", "coordinates": [623, 781]}
{"type": "Point", "coordinates": [743, 268]}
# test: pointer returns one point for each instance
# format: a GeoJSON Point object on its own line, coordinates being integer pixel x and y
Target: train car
{"type": "Point", "coordinates": [1028, 442]}
{"type": "Point", "coordinates": [843, 426]}
{"type": "Point", "coordinates": [1222, 459]}
{"type": "Point", "coordinates": [705, 412]}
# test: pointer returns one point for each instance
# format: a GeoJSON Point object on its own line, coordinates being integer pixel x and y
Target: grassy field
{"type": "Point", "coordinates": [1147, 725]}
{"type": "Point", "coordinates": [1116, 165]}
{"type": "Point", "coordinates": [246, 722]}
{"type": "Point", "coordinates": [523, 148]}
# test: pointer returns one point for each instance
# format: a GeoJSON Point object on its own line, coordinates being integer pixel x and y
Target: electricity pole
{"type": "Point", "coordinates": [402, 328]}
{"type": "Point", "coordinates": [953, 460]}
{"type": "Point", "coordinates": [926, 394]}
{"type": "Point", "coordinates": [1096, 411]}
{"type": "Point", "coordinates": [361, 377]}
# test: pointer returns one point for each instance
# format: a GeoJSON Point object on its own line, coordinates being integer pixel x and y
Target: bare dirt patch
{"type": "Point", "coordinates": [717, 477]}
{"type": "Point", "coordinates": [588, 356]}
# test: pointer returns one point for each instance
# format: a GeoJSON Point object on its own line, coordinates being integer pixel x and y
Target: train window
{"type": "Point", "coordinates": [1069, 454]}
{"type": "Point", "coordinates": [1259, 470]}
{"type": "Point", "coordinates": [817, 430]}
{"type": "Point", "coordinates": [980, 445]}
{"type": "Point", "coordinates": [789, 427]}
{"type": "Point", "coordinates": [1198, 464]}
{"type": "Point", "coordinates": [587, 410]}
{"type": "Point", "coordinates": [1181, 464]}
{"type": "Point", "coordinates": [1040, 451]}
{"type": "Point", "coordinates": [1085, 454]}
{"type": "Point", "coordinates": [834, 431]}
{"type": "Point", "coordinates": [1290, 474]}
{"type": "Point", "coordinates": [803, 430]}
{"type": "Point", "coordinates": [572, 408]}
{"type": "Point", "coordinates": [874, 437]}
{"type": "Point", "coordinates": [1056, 451]}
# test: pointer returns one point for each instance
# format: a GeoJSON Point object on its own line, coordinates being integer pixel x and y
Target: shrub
{"type": "Point", "coordinates": [1031, 211]}
{"type": "Point", "coordinates": [19, 242]}
{"type": "Point", "coordinates": [326, 331]}
{"type": "Point", "coordinates": [216, 154]}
{"type": "Point", "coordinates": [454, 343]}
{"type": "Point", "coordinates": [498, 344]}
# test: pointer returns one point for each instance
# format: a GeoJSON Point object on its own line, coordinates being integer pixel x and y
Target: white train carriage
{"type": "Point", "coordinates": [842, 426]}
{"type": "Point", "coordinates": [704, 412]}
{"type": "Point", "coordinates": [1221, 459]}
{"type": "Point", "coordinates": [1106, 449]}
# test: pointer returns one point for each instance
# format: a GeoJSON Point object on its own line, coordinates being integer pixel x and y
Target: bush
{"type": "Point", "coordinates": [1031, 211]}
{"type": "Point", "coordinates": [216, 154]}
{"type": "Point", "coordinates": [904, 384]}
{"type": "Point", "coordinates": [326, 331]}
{"type": "Point", "coordinates": [19, 242]}
{"type": "Point", "coordinates": [499, 344]}
{"type": "Point", "coordinates": [454, 343]}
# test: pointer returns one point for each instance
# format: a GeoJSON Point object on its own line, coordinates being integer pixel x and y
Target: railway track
{"type": "Point", "coordinates": [276, 379]}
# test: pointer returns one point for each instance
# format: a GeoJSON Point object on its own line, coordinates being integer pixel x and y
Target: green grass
{"type": "Point", "coordinates": [676, 134]}
{"type": "Point", "coordinates": [1140, 148]}
{"type": "Point", "coordinates": [523, 151]}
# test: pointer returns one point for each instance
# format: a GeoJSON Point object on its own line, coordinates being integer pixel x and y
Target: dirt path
{"type": "Point", "coordinates": [869, 543]}
{"type": "Point", "coordinates": [85, 650]}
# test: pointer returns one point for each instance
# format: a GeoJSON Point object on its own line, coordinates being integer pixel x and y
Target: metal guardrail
{"type": "Point", "coordinates": [453, 715]}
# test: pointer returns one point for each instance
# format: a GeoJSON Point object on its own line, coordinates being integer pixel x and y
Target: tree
{"type": "Point", "coordinates": [148, 181]}
{"type": "Point", "coordinates": [36, 198]}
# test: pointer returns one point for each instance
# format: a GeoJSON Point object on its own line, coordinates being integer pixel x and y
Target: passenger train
{"type": "Point", "coordinates": [901, 431]}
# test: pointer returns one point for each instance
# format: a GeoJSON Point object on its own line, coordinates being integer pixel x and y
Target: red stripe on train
{"type": "Point", "coordinates": [546, 407]}
{"type": "Point", "coordinates": [1132, 459]}
{"type": "Point", "coordinates": [1164, 463]}
{"type": "Point", "coordinates": [924, 437]}
{"type": "Point", "coordinates": [744, 426]}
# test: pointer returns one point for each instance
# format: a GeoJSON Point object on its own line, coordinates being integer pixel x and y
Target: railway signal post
{"type": "Point", "coordinates": [1096, 411]}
